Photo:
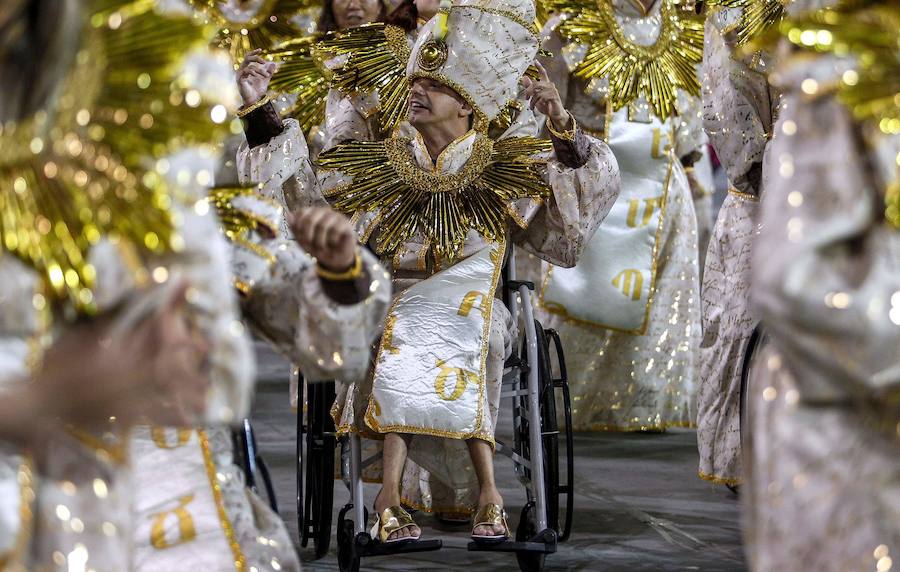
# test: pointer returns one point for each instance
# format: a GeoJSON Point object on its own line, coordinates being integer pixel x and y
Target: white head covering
{"type": "Point", "coordinates": [487, 46]}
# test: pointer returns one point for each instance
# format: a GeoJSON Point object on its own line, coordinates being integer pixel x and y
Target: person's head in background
{"type": "Point", "coordinates": [343, 14]}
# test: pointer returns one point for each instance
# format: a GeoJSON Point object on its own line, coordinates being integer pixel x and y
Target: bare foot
{"type": "Point", "coordinates": [385, 500]}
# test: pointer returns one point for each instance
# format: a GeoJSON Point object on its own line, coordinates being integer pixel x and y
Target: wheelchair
{"type": "Point", "coordinates": [252, 464]}
{"type": "Point", "coordinates": [542, 465]}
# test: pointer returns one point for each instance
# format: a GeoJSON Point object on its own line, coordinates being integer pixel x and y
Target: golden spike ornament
{"type": "Point", "coordinates": [442, 207]}
{"type": "Point", "coordinates": [756, 16]}
{"type": "Point", "coordinates": [236, 222]}
{"type": "Point", "coordinates": [302, 72]}
{"type": "Point", "coordinates": [89, 168]}
{"type": "Point", "coordinates": [248, 25]}
{"type": "Point", "coordinates": [653, 71]}
{"type": "Point", "coordinates": [376, 57]}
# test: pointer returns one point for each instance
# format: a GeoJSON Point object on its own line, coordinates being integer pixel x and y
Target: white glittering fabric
{"type": "Point", "coordinates": [350, 118]}
{"type": "Point", "coordinates": [626, 381]}
{"type": "Point", "coordinates": [727, 325]}
{"type": "Point", "coordinates": [281, 168]}
{"type": "Point", "coordinates": [824, 474]}
{"type": "Point", "coordinates": [738, 110]}
{"type": "Point", "coordinates": [739, 106]}
{"type": "Point", "coordinates": [204, 515]}
{"type": "Point", "coordinates": [78, 461]}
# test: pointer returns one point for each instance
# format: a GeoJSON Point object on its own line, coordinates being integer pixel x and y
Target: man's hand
{"type": "Point", "coordinates": [253, 77]}
{"type": "Point", "coordinates": [326, 235]}
{"type": "Point", "coordinates": [544, 97]}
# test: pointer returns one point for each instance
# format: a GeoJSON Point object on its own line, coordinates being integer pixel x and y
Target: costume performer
{"type": "Point", "coordinates": [739, 109]}
{"type": "Point", "coordinates": [629, 312]}
{"type": "Point", "coordinates": [441, 206]}
{"type": "Point", "coordinates": [123, 237]}
{"type": "Point", "coordinates": [823, 482]}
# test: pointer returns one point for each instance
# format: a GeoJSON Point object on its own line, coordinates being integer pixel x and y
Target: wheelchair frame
{"type": "Point", "coordinates": [527, 381]}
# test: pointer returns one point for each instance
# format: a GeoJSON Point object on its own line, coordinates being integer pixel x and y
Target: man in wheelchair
{"type": "Point", "coordinates": [441, 201]}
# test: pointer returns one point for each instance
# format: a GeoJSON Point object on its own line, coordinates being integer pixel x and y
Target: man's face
{"type": "Point", "coordinates": [349, 13]}
{"type": "Point", "coordinates": [431, 102]}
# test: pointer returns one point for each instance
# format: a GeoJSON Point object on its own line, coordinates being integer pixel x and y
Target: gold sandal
{"type": "Point", "coordinates": [391, 520]}
{"type": "Point", "coordinates": [490, 515]}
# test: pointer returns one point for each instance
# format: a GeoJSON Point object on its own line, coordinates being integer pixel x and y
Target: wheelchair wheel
{"type": "Point", "coordinates": [549, 427]}
{"type": "Point", "coordinates": [348, 560]}
{"type": "Point", "coordinates": [256, 472]}
{"type": "Point", "coordinates": [525, 531]}
{"type": "Point", "coordinates": [753, 343]}
{"type": "Point", "coordinates": [562, 384]}
{"type": "Point", "coordinates": [315, 468]}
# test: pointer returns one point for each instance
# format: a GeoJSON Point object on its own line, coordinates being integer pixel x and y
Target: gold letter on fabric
{"type": "Point", "coordinates": [186, 530]}
{"type": "Point", "coordinates": [463, 378]}
{"type": "Point", "coordinates": [159, 437]}
{"type": "Point", "coordinates": [630, 282]}
{"type": "Point", "coordinates": [650, 206]}
{"type": "Point", "coordinates": [469, 302]}
{"type": "Point", "coordinates": [655, 151]}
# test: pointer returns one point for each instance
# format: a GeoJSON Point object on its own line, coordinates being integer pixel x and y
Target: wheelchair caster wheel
{"type": "Point", "coordinates": [348, 557]}
{"type": "Point", "coordinates": [525, 531]}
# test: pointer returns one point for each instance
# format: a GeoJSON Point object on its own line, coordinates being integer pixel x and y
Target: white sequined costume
{"type": "Point", "coordinates": [629, 314]}
{"type": "Point", "coordinates": [823, 490]}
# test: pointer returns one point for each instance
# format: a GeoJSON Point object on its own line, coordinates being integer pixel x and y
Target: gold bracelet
{"type": "Point", "coordinates": [244, 111]}
{"type": "Point", "coordinates": [568, 135]}
{"type": "Point", "coordinates": [351, 273]}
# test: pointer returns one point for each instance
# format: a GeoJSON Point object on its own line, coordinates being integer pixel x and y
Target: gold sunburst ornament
{"type": "Point", "coordinates": [85, 170]}
{"type": "Point", "coordinates": [246, 25]}
{"type": "Point", "coordinates": [376, 63]}
{"type": "Point", "coordinates": [443, 207]}
{"type": "Point", "coordinates": [756, 16]}
{"type": "Point", "coordinates": [302, 73]}
{"type": "Point", "coordinates": [653, 71]}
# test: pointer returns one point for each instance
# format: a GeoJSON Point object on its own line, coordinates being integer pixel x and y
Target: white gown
{"type": "Point", "coordinates": [738, 112]}
{"type": "Point", "coordinates": [629, 313]}
{"type": "Point", "coordinates": [824, 463]}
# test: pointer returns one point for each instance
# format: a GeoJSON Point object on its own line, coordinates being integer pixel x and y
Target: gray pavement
{"type": "Point", "coordinates": [639, 503]}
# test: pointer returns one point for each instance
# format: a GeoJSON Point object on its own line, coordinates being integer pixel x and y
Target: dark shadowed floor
{"type": "Point", "coordinates": [639, 503]}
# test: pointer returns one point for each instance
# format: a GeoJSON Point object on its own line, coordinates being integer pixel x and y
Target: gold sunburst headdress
{"type": "Point", "coordinates": [248, 25]}
{"type": "Point", "coordinates": [378, 59]}
{"type": "Point", "coordinates": [444, 207]}
{"type": "Point", "coordinates": [654, 71]}
{"type": "Point", "coordinates": [79, 172]}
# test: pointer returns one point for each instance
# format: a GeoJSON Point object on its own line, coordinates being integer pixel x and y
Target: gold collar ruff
{"type": "Point", "coordinates": [442, 206]}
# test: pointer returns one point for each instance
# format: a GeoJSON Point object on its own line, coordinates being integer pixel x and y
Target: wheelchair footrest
{"type": "Point", "coordinates": [386, 549]}
{"type": "Point", "coordinates": [534, 545]}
